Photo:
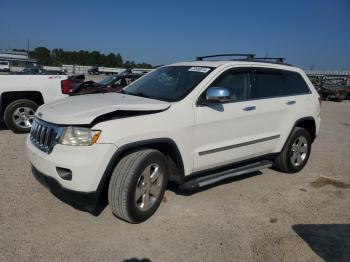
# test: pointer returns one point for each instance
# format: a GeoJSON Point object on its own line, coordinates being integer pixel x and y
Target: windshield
{"type": "Point", "coordinates": [107, 80]}
{"type": "Point", "coordinates": [170, 83]}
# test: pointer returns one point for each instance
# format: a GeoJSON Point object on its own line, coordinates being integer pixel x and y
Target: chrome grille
{"type": "Point", "coordinates": [45, 135]}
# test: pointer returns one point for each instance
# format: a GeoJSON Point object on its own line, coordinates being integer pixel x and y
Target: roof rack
{"type": "Point", "coordinates": [247, 56]}
{"type": "Point", "coordinates": [279, 60]}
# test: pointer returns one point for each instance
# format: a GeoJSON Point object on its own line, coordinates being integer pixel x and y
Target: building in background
{"type": "Point", "coordinates": [17, 59]}
{"type": "Point", "coordinates": [334, 73]}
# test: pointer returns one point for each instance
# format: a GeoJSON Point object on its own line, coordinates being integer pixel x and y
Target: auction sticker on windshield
{"type": "Point", "coordinates": [199, 69]}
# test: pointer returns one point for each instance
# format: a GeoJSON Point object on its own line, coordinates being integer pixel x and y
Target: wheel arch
{"type": "Point", "coordinates": [7, 98]}
{"type": "Point", "coordinates": [307, 123]}
{"type": "Point", "coordinates": [166, 146]}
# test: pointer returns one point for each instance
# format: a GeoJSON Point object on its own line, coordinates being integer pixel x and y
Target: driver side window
{"type": "Point", "coordinates": [238, 83]}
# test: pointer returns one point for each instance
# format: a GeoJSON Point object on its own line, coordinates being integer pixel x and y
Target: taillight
{"type": "Point", "coordinates": [320, 100]}
{"type": "Point", "coordinates": [65, 87]}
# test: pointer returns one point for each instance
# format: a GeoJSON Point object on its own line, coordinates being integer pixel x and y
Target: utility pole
{"type": "Point", "coordinates": [27, 52]}
{"type": "Point", "coordinates": [28, 48]}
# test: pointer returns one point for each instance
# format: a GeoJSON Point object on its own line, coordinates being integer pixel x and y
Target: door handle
{"type": "Point", "coordinates": [249, 108]}
{"type": "Point", "coordinates": [291, 102]}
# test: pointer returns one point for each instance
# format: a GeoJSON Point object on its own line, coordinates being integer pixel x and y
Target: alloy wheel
{"type": "Point", "coordinates": [148, 187]}
{"type": "Point", "coordinates": [299, 151]}
{"type": "Point", "coordinates": [23, 117]}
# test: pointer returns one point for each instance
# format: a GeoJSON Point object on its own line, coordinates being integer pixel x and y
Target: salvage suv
{"type": "Point", "coordinates": [192, 123]}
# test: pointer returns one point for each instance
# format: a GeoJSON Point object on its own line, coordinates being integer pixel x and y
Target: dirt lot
{"type": "Point", "coordinates": [267, 216]}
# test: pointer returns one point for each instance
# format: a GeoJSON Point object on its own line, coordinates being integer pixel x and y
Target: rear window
{"type": "Point", "coordinates": [4, 63]}
{"type": "Point", "coordinates": [295, 84]}
{"type": "Point", "coordinates": [267, 85]}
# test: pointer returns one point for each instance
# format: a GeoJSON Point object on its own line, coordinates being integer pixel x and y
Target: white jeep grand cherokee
{"type": "Point", "coordinates": [193, 123]}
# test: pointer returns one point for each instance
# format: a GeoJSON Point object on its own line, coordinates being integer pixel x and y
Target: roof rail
{"type": "Point", "coordinates": [279, 60]}
{"type": "Point", "coordinates": [248, 56]}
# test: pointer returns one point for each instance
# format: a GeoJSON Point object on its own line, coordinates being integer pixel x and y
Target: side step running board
{"type": "Point", "coordinates": [216, 177]}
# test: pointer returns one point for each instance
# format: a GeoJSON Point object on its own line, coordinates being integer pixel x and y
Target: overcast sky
{"type": "Point", "coordinates": [309, 32]}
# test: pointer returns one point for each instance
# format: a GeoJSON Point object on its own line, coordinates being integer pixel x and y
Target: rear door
{"type": "Point", "coordinates": [276, 108]}
{"type": "Point", "coordinates": [297, 101]}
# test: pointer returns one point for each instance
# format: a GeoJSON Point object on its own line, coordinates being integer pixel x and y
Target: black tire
{"type": "Point", "coordinates": [125, 180]}
{"type": "Point", "coordinates": [284, 160]}
{"type": "Point", "coordinates": [10, 110]}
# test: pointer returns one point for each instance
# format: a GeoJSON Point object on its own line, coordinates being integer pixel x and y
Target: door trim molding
{"type": "Point", "coordinates": [219, 149]}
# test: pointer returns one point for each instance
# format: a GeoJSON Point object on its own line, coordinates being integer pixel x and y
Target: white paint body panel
{"type": "Point", "coordinates": [48, 85]}
{"type": "Point", "coordinates": [193, 129]}
{"type": "Point", "coordinates": [220, 126]}
{"type": "Point", "coordinates": [83, 109]}
{"type": "Point", "coordinates": [86, 163]}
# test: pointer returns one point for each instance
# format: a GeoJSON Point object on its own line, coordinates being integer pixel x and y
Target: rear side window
{"type": "Point", "coordinates": [295, 84]}
{"type": "Point", "coordinates": [267, 84]}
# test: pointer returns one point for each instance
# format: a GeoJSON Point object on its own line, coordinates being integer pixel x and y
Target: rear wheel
{"type": "Point", "coordinates": [296, 152]}
{"type": "Point", "coordinates": [137, 185]}
{"type": "Point", "coordinates": [19, 115]}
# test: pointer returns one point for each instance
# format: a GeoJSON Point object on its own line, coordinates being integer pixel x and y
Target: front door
{"type": "Point", "coordinates": [226, 132]}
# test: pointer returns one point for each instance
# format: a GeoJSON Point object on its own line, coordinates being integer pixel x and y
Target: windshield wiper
{"type": "Point", "coordinates": [140, 94]}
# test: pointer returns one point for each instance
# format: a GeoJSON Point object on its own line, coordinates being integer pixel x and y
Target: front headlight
{"type": "Point", "coordinates": [79, 136]}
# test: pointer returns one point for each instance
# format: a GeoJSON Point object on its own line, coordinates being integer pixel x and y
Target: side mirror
{"type": "Point", "coordinates": [217, 95]}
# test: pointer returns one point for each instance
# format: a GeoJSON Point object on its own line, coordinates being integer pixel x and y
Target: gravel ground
{"type": "Point", "coordinates": [266, 216]}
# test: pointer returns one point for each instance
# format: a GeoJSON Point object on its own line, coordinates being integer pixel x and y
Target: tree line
{"type": "Point", "coordinates": [58, 57]}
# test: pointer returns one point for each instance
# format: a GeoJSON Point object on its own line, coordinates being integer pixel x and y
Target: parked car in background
{"type": "Point", "coordinates": [332, 88]}
{"type": "Point", "coordinates": [193, 123]}
{"type": "Point", "coordinates": [110, 84]}
{"type": "Point", "coordinates": [95, 70]}
{"type": "Point", "coordinates": [38, 71]}
{"type": "Point", "coordinates": [4, 66]}
{"type": "Point", "coordinates": [20, 96]}
{"type": "Point", "coordinates": [347, 83]}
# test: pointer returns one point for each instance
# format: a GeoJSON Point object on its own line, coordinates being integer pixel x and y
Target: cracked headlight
{"type": "Point", "coordinates": [79, 136]}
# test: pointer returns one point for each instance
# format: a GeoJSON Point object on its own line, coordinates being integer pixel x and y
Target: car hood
{"type": "Point", "coordinates": [84, 109]}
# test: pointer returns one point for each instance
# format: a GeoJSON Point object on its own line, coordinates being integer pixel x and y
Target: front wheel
{"type": "Point", "coordinates": [137, 185]}
{"type": "Point", "coordinates": [296, 152]}
{"type": "Point", "coordinates": [19, 115]}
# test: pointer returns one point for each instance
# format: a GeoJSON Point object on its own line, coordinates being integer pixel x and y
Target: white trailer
{"type": "Point", "coordinates": [109, 70]}
{"type": "Point", "coordinates": [4, 66]}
